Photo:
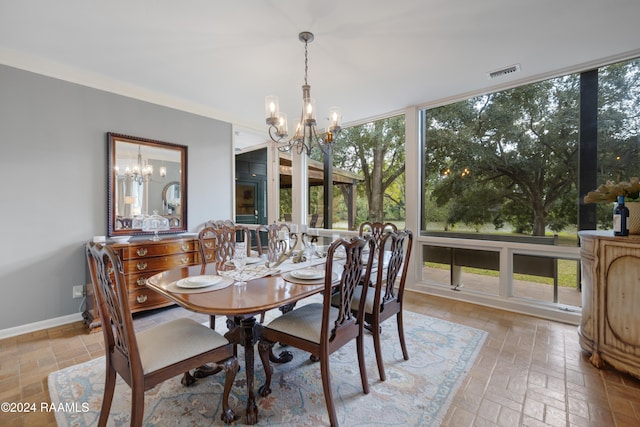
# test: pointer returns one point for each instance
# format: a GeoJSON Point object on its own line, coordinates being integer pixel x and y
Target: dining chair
{"type": "Point", "coordinates": [320, 328]}
{"type": "Point", "coordinates": [386, 300]}
{"type": "Point", "coordinates": [219, 223]}
{"type": "Point", "coordinates": [217, 244]}
{"type": "Point", "coordinates": [274, 246]}
{"type": "Point", "coordinates": [145, 359]}
{"type": "Point", "coordinates": [376, 230]}
{"type": "Point", "coordinates": [242, 231]}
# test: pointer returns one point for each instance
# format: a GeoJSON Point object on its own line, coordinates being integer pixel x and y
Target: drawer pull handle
{"type": "Point", "coordinates": [141, 251]}
{"type": "Point", "coordinates": [209, 256]}
{"type": "Point", "coordinates": [208, 245]}
{"type": "Point", "coordinates": [184, 260]}
{"type": "Point", "coordinates": [141, 281]}
{"type": "Point", "coordinates": [184, 247]}
{"type": "Point", "coordinates": [109, 270]}
{"type": "Point", "coordinates": [141, 298]}
{"type": "Point", "coordinates": [141, 265]}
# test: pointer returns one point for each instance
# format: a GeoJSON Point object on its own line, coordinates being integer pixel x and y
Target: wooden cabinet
{"type": "Point", "coordinates": [610, 325]}
{"type": "Point", "coordinates": [140, 260]}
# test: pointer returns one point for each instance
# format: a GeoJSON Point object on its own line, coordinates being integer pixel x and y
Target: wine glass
{"type": "Point", "coordinates": [239, 261]}
{"type": "Point", "coordinates": [309, 250]}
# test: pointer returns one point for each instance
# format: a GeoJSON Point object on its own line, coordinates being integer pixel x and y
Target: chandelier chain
{"type": "Point", "coordinates": [306, 62]}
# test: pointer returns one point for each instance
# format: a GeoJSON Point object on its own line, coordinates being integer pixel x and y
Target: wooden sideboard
{"type": "Point", "coordinates": [140, 260]}
{"type": "Point", "coordinates": [610, 327]}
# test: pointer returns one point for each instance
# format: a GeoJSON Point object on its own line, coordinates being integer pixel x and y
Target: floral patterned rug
{"type": "Point", "coordinates": [417, 392]}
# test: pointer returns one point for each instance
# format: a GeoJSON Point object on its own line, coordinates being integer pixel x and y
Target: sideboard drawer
{"type": "Point", "coordinates": [154, 249]}
{"type": "Point", "coordinates": [146, 299]}
{"type": "Point", "coordinates": [136, 281]}
{"type": "Point", "coordinates": [158, 263]}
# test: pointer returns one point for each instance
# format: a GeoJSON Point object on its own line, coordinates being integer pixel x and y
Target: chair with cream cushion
{"type": "Point", "coordinates": [391, 268]}
{"type": "Point", "coordinates": [145, 359]}
{"type": "Point", "coordinates": [321, 329]}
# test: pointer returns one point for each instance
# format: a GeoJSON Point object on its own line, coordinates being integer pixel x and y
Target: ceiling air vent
{"type": "Point", "coordinates": [504, 71]}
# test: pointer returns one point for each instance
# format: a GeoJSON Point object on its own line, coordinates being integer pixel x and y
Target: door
{"type": "Point", "coordinates": [250, 203]}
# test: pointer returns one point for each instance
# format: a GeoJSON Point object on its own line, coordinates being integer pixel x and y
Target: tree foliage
{"type": "Point", "coordinates": [512, 156]}
{"type": "Point", "coordinates": [376, 151]}
{"type": "Point", "coordinates": [509, 157]}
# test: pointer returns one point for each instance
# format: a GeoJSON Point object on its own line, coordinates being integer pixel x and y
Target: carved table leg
{"type": "Point", "coordinates": [246, 335]}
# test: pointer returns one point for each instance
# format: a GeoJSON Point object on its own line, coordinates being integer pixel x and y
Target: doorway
{"type": "Point", "coordinates": [251, 187]}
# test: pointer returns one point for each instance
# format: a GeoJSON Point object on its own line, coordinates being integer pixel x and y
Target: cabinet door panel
{"type": "Point", "coordinates": [622, 296]}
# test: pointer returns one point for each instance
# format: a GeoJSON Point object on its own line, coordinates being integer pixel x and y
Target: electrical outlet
{"type": "Point", "coordinates": [78, 291]}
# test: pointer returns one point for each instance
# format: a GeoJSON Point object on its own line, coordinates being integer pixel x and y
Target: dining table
{"type": "Point", "coordinates": [265, 289]}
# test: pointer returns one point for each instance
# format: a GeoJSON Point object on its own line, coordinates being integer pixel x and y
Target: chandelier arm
{"type": "Point", "coordinates": [276, 139]}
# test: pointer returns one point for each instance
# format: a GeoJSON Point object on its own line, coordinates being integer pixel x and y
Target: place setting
{"type": "Point", "coordinates": [307, 276]}
{"type": "Point", "coordinates": [199, 284]}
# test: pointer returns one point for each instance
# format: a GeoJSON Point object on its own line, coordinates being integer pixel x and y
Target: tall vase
{"type": "Point", "coordinates": [634, 217]}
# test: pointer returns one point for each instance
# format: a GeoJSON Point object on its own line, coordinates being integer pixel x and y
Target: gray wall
{"type": "Point", "coordinates": [53, 168]}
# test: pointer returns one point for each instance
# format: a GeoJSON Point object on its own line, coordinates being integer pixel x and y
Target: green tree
{"type": "Point", "coordinates": [376, 151]}
{"type": "Point", "coordinates": [511, 155]}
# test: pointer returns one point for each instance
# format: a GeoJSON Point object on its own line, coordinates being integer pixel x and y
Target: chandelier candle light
{"type": "Point", "coordinates": [306, 135]}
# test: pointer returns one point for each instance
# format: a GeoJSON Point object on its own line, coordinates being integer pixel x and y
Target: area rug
{"type": "Point", "coordinates": [417, 392]}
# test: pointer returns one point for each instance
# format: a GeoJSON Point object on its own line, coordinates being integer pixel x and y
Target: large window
{"type": "Point", "coordinates": [504, 163]}
{"type": "Point", "coordinates": [513, 167]}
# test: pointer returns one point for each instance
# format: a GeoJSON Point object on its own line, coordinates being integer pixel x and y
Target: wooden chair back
{"type": "Point", "coordinates": [112, 299]}
{"type": "Point", "coordinates": [376, 230]}
{"type": "Point", "coordinates": [273, 245]}
{"type": "Point", "coordinates": [218, 243]}
{"type": "Point", "coordinates": [348, 325]}
{"type": "Point", "coordinates": [397, 246]}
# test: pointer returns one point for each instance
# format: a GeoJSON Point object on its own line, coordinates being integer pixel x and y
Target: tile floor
{"type": "Point", "coordinates": [530, 372]}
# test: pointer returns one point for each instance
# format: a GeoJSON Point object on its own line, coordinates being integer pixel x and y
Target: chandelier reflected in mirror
{"type": "Point", "coordinates": [306, 135]}
{"type": "Point", "coordinates": [140, 172]}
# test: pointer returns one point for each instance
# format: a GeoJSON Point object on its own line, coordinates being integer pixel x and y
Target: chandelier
{"type": "Point", "coordinates": [306, 135]}
{"type": "Point", "coordinates": [140, 172]}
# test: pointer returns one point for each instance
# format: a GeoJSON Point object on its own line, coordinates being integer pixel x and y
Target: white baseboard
{"type": "Point", "coordinates": [37, 326]}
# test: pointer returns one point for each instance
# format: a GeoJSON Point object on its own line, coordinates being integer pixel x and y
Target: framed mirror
{"type": "Point", "coordinates": [146, 177]}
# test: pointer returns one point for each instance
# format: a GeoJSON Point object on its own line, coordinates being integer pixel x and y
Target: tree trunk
{"type": "Point", "coordinates": [376, 200]}
{"type": "Point", "coordinates": [539, 221]}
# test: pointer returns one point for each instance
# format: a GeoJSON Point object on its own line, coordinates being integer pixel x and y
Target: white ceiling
{"type": "Point", "coordinates": [370, 57]}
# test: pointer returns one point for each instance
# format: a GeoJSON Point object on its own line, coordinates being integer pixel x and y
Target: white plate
{"type": "Point", "coordinates": [307, 273]}
{"type": "Point", "coordinates": [198, 281]}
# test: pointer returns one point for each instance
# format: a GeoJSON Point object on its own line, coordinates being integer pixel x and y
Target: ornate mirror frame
{"type": "Point", "coordinates": [139, 173]}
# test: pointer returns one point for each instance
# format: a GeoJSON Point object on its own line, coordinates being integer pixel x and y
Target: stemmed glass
{"type": "Point", "coordinates": [239, 261]}
{"type": "Point", "coordinates": [310, 249]}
